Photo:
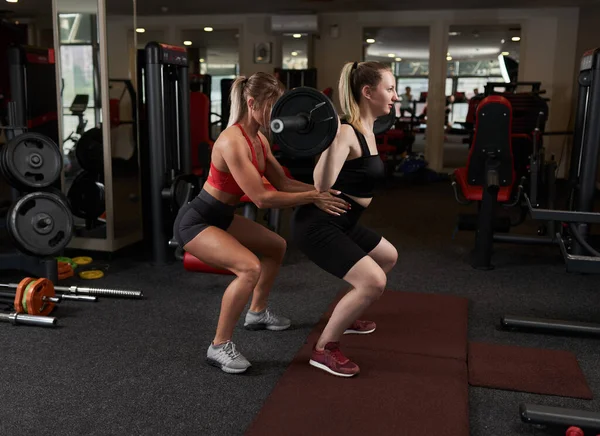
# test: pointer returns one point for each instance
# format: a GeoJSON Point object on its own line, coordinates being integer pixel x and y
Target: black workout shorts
{"type": "Point", "coordinates": [200, 213]}
{"type": "Point", "coordinates": [335, 243]}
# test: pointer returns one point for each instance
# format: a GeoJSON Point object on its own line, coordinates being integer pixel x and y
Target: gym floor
{"type": "Point", "coordinates": [137, 367]}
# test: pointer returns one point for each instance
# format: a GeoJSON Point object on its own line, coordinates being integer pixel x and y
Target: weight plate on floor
{"type": "Point", "coordinates": [31, 161]}
{"type": "Point", "coordinates": [40, 224]}
{"type": "Point", "coordinates": [320, 132]}
{"type": "Point", "coordinates": [91, 274]}
{"type": "Point", "coordinates": [385, 122]}
{"type": "Point", "coordinates": [82, 260]}
{"type": "Point", "coordinates": [86, 196]}
{"type": "Point", "coordinates": [89, 151]}
{"type": "Point", "coordinates": [20, 296]}
{"type": "Point", "coordinates": [37, 292]}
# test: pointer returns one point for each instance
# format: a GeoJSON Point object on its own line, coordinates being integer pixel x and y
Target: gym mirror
{"type": "Point", "coordinates": [78, 61]}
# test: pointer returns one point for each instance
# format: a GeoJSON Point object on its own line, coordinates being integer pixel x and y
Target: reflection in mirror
{"type": "Point", "coordinates": [295, 51]}
{"type": "Point", "coordinates": [81, 113]}
{"type": "Point", "coordinates": [121, 42]}
{"type": "Point", "coordinates": [214, 63]}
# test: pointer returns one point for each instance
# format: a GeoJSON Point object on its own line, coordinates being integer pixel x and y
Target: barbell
{"type": "Point", "coordinates": [304, 122]}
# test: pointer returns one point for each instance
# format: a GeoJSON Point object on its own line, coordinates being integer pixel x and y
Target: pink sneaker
{"type": "Point", "coordinates": [333, 361]}
{"type": "Point", "coordinates": [361, 327]}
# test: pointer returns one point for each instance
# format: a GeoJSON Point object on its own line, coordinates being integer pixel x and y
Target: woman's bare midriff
{"type": "Point", "coordinates": [223, 197]}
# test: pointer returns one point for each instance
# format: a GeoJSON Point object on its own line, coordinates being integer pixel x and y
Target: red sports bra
{"type": "Point", "coordinates": [224, 181]}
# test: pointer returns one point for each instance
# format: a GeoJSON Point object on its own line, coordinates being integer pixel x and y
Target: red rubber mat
{"type": "Point", "coordinates": [395, 394]}
{"type": "Point", "coordinates": [533, 370]}
{"type": "Point", "coordinates": [413, 380]}
{"type": "Point", "coordinates": [413, 323]}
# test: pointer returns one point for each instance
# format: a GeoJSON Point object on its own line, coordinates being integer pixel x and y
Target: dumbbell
{"type": "Point", "coordinates": [305, 123]}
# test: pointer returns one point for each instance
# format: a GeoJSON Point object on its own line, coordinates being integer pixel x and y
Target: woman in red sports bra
{"type": "Point", "coordinates": [208, 227]}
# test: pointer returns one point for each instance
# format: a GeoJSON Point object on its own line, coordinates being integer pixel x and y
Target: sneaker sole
{"type": "Point", "coordinates": [358, 332]}
{"type": "Point", "coordinates": [329, 370]}
{"type": "Point", "coordinates": [225, 368]}
{"type": "Point", "coordinates": [256, 327]}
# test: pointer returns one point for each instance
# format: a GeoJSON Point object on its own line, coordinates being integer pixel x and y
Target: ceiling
{"type": "Point", "coordinates": [186, 7]}
{"type": "Point", "coordinates": [464, 42]}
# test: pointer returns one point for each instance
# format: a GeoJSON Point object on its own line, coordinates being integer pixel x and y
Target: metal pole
{"type": "Point", "coordinates": [156, 132]}
{"type": "Point", "coordinates": [184, 120]}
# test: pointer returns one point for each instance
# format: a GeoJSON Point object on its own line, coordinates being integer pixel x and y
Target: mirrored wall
{"type": "Point", "coordinates": [96, 64]}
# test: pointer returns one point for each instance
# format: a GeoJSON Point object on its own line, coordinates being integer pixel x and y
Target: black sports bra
{"type": "Point", "coordinates": [358, 177]}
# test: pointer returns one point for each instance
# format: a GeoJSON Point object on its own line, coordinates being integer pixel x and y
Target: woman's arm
{"type": "Point", "coordinates": [332, 160]}
{"type": "Point", "coordinates": [248, 178]}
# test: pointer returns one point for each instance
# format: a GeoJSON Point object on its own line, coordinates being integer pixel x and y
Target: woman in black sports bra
{"type": "Point", "coordinates": [339, 244]}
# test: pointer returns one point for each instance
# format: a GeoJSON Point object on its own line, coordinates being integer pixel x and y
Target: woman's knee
{"type": "Point", "coordinates": [373, 283]}
{"type": "Point", "coordinates": [279, 247]}
{"type": "Point", "coordinates": [248, 269]}
{"type": "Point", "coordinates": [376, 282]}
{"type": "Point", "coordinates": [391, 259]}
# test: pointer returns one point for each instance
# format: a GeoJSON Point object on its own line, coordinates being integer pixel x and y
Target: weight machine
{"type": "Point", "coordinates": [579, 255]}
{"type": "Point", "coordinates": [168, 182]}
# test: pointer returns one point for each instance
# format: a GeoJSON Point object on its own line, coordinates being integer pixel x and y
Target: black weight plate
{"type": "Point", "coordinates": [89, 151]}
{"type": "Point", "coordinates": [384, 123]}
{"type": "Point", "coordinates": [31, 161]}
{"type": "Point", "coordinates": [322, 129]}
{"type": "Point", "coordinates": [86, 196]}
{"type": "Point", "coordinates": [40, 224]}
{"type": "Point", "coordinates": [184, 188]}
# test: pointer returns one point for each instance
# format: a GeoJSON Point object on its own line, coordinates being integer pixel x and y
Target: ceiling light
{"type": "Point", "coordinates": [297, 35]}
{"type": "Point", "coordinates": [187, 42]}
{"type": "Point", "coordinates": [294, 53]}
{"type": "Point", "coordinates": [370, 41]}
{"type": "Point", "coordinates": [391, 55]}
{"type": "Point", "coordinates": [502, 41]}
{"type": "Point", "coordinates": [398, 59]}
{"type": "Point", "coordinates": [453, 33]}
{"type": "Point", "coordinates": [448, 58]}
{"type": "Point", "coordinates": [516, 38]}
{"type": "Point", "coordinates": [201, 60]}
{"type": "Point", "coordinates": [505, 53]}
{"type": "Point", "coordinates": [12, 1]}
{"type": "Point", "coordinates": [140, 30]}
{"type": "Point", "coordinates": [208, 29]}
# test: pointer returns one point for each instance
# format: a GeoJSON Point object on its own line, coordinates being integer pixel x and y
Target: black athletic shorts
{"type": "Point", "coordinates": [200, 213]}
{"type": "Point", "coordinates": [335, 243]}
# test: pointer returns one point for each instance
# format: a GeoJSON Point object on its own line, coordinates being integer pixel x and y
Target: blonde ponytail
{"type": "Point", "coordinates": [264, 88]}
{"type": "Point", "coordinates": [348, 103]}
{"type": "Point", "coordinates": [238, 107]}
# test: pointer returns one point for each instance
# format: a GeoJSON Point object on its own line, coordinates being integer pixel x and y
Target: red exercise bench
{"type": "Point", "coordinates": [489, 177]}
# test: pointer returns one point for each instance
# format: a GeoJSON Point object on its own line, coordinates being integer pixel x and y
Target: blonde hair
{"type": "Point", "coordinates": [264, 88]}
{"type": "Point", "coordinates": [354, 76]}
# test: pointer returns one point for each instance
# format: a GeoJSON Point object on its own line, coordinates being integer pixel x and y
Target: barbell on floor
{"type": "Point", "coordinates": [305, 123]}
{"type": "Point", "coordinates": [33, 320]}
{"type": "Point", "coordinates": [94, 292]}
